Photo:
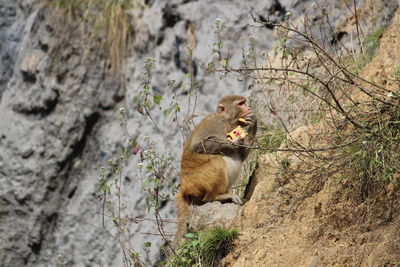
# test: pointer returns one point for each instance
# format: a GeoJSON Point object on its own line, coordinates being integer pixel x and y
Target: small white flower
{"type": "Point", "coordinates": [390, 95]}
{"type": "Point", "coordinates": [122, 111]}
{"type": "Point", "coordinates": [218, 21]}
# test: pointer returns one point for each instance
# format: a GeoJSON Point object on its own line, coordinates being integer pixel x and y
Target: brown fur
{"type": "Point", "coordinates": [203, 168]}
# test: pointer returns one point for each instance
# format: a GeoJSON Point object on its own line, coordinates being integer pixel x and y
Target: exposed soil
{"type": "Point", "coordinates": [300, 218]}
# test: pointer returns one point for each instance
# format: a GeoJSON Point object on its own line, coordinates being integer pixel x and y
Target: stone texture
{"type": "Point", "coordinates": [212, 214]}
{"type": "Point", "coordinates": [58, 123]}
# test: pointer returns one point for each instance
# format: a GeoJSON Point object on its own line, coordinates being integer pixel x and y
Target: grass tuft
{"type": "Point", "coordinates": [204, 248]}
{"type": "Point", "coordinates": [370, 44]}
{"type": "Point", "coordinates": [374, 157]}
{"type": "Point", "coordinates": [104, 24]}
{"type": "Point", "coordinates": [271, 138]}
{"type": "Point", "coordinates": [397, 73]}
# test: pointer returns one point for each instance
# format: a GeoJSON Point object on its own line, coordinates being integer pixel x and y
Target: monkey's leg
{"type": "Point", "coordinates": [228, 197]}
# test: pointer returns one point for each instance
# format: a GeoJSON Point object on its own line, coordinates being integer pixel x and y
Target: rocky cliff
{"type": "Point", "coordinates": [59, 126]}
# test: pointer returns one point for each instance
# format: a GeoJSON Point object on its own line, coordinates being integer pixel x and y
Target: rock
{"type": "Point", "coordinates": [58, 123]}
{"type": "Point", "coordinates": [212, 214]}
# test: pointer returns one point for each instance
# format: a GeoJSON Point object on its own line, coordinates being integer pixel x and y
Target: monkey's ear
{"type": "Point", "coordinates": [220, 108]}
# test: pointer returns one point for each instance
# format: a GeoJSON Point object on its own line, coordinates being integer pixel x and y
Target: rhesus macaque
{"type": "Point", "coordinates": [211, 162]}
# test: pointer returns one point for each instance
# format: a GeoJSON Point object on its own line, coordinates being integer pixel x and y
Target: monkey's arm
{"type": "Point", "coordinates": [251, 129]}
{"type": "Point", "coordinates": [215, 145]}
{"type": "Point", "coordinates": [209, 137]}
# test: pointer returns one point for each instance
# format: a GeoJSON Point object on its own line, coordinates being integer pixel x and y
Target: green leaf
{"type": "Point", "coordinates": [177, 108]}
{"type": "Point", "coordinates": [167, 112]}
{"type": "Point", "coordinates": [157, 99]}
{"type": "Point", "coordinates": [189, 235]}
{"type": "Point", "coordinates": [145, 183]}
{"type": "Point", "coordinates": [210, 66]}
{"type": "Point", "coordinates": [195, 242]}
{"type": "Point", "coordinates": [148, 103]}
{"type": "Point", "coordinates": [224, 62]}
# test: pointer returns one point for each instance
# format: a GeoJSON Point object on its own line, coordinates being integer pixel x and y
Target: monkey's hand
{"type": "Point", "coordinates": [235, 142]}
{"type": "Point", "coordinates": [251, 121]}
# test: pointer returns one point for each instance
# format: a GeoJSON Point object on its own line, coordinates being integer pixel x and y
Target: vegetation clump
{"type": "Point", "coordinates": [271, 138]}
{"type": "Point", "coordinates": [369, 44]}
{"type": "Point", "coordinates": [102, 23]}
{"type": "Point", "coordinates": [373, 155]}
{"type": "Point", "coordinates": [204, 248]}
{"type": "Point", "coordinates": [358, 117]}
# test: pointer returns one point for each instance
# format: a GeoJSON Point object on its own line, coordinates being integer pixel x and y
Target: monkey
{"type": "Point", "coordinates": [210, 162]}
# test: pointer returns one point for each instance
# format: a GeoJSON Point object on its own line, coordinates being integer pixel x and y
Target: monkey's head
{"type": "Point", "coordinates": [233, 107]}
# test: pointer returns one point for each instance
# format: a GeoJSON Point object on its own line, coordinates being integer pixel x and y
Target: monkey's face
{"type": "Point", "coordinates": [244, 108]}
{"type": "Point", "coordinates": [233, 107]}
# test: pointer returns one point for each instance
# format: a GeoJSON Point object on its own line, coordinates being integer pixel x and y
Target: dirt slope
{"type": "Point", "coordinates": [297, 219]}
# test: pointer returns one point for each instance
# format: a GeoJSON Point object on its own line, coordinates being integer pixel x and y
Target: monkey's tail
{"type": "Point", "coordinates": [183, 206]}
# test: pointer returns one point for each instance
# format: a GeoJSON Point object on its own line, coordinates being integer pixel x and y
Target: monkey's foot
{"type": "Point", "coordinates": [229, 197]}
{"type": "Point", "coordinates": [236, 199]}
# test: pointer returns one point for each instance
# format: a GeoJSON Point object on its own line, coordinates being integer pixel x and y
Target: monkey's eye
{"type": "Point", "coordinates": [242, 103]}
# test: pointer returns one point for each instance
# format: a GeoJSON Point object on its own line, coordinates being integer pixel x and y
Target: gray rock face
{"type": "Point", "coordinates": [47, 136]}
{"type": "Point", "coordinates": [58, 125]}
{"type": "Point", "coordinates": [58, 121]}
{"type": "Point", "coordinates": [12, 20]}
{"type": "Point", "coordinates": [212, 214]}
